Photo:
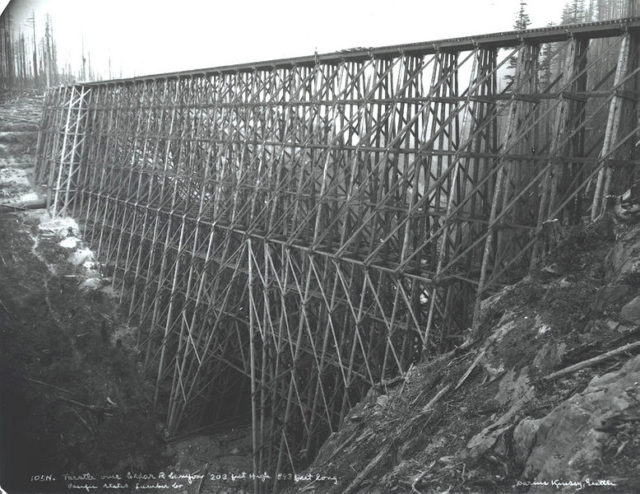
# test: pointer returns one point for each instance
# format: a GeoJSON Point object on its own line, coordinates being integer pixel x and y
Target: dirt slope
{"type": "Point", "coordinates": [72, 398]}
{"type": "Point", "coordinates": [494, 416]}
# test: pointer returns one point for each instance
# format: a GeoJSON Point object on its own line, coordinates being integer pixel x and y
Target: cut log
{"type": "Point", "coordinates": [592, 361]}
{"type": "Point", "coordinates": [368, 469]}
{"type": "Point", "coordinates": [22, 206]}
{"type": "Point", "coordinates": [470, 370]}
{"type": "Point", "coordinates": [429, 406]}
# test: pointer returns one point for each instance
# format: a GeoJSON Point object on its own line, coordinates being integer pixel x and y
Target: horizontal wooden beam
{"type": "Point", "coordinates": [589, 30]}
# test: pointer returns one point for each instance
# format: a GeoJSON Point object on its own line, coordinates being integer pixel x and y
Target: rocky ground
{"type": "Point", "coordinates": [545, 397]}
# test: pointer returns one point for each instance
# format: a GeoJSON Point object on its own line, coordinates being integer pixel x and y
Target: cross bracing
{"type": "Point", "coordinates": [293, 232]}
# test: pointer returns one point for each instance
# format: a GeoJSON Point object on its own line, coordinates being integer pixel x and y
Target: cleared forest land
{"type": "Point", "coordinates": [75, 406]}
{"type": "Point", "coordinates": [72, 399]}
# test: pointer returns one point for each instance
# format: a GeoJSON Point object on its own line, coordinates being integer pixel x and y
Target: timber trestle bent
{"type": "Point", "coordinates": [287, 234]}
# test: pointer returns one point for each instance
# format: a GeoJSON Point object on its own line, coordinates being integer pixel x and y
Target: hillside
{"type": "Point", "coordinates": [544, 397]}
{"type": "Point", "coordinates": [72, 398]}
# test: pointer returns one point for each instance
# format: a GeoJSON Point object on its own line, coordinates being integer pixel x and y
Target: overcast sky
{"type": "Point", "coordinates": [152, 36]}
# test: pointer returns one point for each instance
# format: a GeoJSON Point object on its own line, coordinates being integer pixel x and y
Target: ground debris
{"type": "Point", "coordinates": [486, 419]}
{"type": "Point", "coordinates": [69, 400]}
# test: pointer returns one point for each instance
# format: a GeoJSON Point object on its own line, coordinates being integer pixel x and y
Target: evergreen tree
{"type": "Point", "coordinates": [547, 53]}
{"type": "Point", "coordinates": [522, 20]}
{"type": "Point", "coordinates": [521, 23]}
{"type": "Point", "coordinates": [592, 11]}
{"type": "Point", "coordinates": [574, 12]}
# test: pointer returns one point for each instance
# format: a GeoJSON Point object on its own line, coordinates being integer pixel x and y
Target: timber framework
{"type": "Point", "coordinates": [288, 234]}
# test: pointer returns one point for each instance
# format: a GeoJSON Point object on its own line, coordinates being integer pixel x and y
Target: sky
{"type": "Point", "coordinates": [154, 36]}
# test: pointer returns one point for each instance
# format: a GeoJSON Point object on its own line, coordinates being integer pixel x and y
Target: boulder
{"type": "Point", "coordinates": [564, 443]}
{"type": "Point", "coordinates": [623, 259]}
{"type": "Point", "coordinates": [631, 311]}
{"type": "Point", "coordinates": [611, 294]}
{"type": "Point", "coordinates": [486, 439]}
{"type": "Point", "coordinates": [524, 436]}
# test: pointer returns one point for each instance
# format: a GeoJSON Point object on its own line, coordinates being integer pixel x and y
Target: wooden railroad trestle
{"type": "Point", "coordinates": [296, 231]}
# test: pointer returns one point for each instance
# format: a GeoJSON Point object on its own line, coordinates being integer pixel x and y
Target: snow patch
{"type": "Point", "coordinates": [90, 284]}
{"type": "Point", "coordinates": [15, 186]}
{"type": "Point", "coordinates": [14, 176]}
{"type": "Point", "coordinates": [66, 229]}
{"type": "Point", "coordinates": [69, 242]}
{"type": "Point", "coordinates": [81, 256]}
{"type": "Point", "coordinates": [31, 196]}
{"type": "Point", "coordinates": [61, 227]}
{"type": "Point", "coordinates": [543, 329]}
{"type": "Point", "coordinates": [92, 269]}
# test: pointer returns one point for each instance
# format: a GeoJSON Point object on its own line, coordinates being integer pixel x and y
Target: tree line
{"type": "Point", "coordinates": [26, 59]}
{"type": "Point", "coordinates": [31, 60]}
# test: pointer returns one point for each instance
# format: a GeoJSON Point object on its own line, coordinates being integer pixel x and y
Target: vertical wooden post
{"type": "Point", "coordinates": [510, 131]}
{"type": "Point", "coordinates": [603, 183]}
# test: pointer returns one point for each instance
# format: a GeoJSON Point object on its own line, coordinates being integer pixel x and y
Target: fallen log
{"type": "Point", "coordinates": [37, 381]}
{"type": "Point", "coordinates": [93, 408]}
{"type": "Point", "coordinates": [470, 369]}
{"type": "Point", "coordinates": [368, 469]}
{"type": "Point", "coordinates": [23, 206]}
{"type": "Point", "coordinates": [592, 361]}
{"type": "Point", "coordinates": [429, 406]}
